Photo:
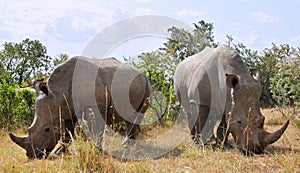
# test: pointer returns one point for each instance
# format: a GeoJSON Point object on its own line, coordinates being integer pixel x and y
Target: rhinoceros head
{"type": "Point", "coordinates": [44, 132]}
{"type": "Point", "coordinates": [245, 119]}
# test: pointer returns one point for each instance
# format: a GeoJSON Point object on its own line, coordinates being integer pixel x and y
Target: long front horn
{"type": "Point", "coordinates": [273, 137]}
{"type": "Point", "coordinates": [21, 141]}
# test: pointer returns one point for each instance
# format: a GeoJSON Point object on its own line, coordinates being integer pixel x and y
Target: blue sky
{"type": "Point", "coordinates": [66, 26]}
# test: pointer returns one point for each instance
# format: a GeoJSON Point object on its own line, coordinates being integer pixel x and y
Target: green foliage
{"type": "Point", "coordinates": [23, 62]}
{"type": "Point", "coordinates": [16, 107]}
{"type": "Point", "coordinates": [62, 57]}
{"type": "Point", "coordinates": [183, 43]}
{"type": "Point", "coordinates": [285, 81]}
{"type": "Point", "coordinates": [20, 64]}
{"type": "Point", "coordinates": [159, 69]}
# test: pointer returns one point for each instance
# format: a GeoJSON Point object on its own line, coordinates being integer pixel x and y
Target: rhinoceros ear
{"type": "Point", "coordinates": [232, 81]}
{"type": "Point", "coordinates": [43, 87]}
{"type": "Point", "coordinates": [36, 86]}
{"type": "Point", "coordinates": [255, 73]}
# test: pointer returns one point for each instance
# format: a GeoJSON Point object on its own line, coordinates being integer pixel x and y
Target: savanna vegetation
{"type": "Point", "coordinates": [24, 62]}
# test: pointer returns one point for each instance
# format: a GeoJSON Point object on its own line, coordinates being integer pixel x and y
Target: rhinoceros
{"type": "Point", "coordinates": [94, 91]}
{"type": "Point", "coordinates": [219, 96]}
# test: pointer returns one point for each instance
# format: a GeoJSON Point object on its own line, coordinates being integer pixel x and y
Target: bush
{"type": "Point", "coordinates": [16, 107]}
{"type": "Point", "coordinates": [285, 83]}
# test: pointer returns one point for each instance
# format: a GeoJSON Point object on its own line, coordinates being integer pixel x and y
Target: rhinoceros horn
{"type": "Point", "coordinates": [21, 141]}
{"type": "Point", "coordinates": [273, 137]}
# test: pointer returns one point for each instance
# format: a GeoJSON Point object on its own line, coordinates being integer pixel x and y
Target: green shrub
{"type": "Point", "coordinates": [285, 83]}
{"type": "Point", "coordinates": [16, 107]}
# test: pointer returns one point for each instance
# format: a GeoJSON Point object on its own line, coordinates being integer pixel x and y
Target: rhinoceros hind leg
{"type": "Point", "coordinates": [130, 133]}
{"type": "Point", "coordinates": [196, 121]}
{"type": "Point", "coordinates": [191, 124]}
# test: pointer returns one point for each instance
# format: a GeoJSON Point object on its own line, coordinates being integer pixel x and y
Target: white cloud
{"type": "Point", "coordinates": [252, 38]}
{"type": "Point", "coordinates": [22, 18]}
{"type": "Point", "coordinates": [191, 13]}
{"type": "Point", "coordinates": [264, 18]}
{"type": "Point", "coordinates": [121, 13]}
{"type": "Point", "coordinates": [80, 23]}
{"type": "Point", "coordinates": [144, 11]}
{"type": "Point", "coordinates": [86, 21]}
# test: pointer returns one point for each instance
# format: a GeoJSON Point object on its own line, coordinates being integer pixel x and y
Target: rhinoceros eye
{"type": "Point", "coordinates": [47, 129]}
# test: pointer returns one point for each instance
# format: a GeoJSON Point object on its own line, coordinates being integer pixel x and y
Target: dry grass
{"type": "Point", "coordinates": [283, 156]}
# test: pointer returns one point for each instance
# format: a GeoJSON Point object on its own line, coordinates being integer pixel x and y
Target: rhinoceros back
{"type": "Point", "coordinates": [200, 80]}
{"type": "Point", "coordinates": [102, 83]}
{"type": "Point", "coordinates": [190, 75]}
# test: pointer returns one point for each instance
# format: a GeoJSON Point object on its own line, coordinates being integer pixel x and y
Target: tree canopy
{"type": "Point", "coordinates": [22, 62]}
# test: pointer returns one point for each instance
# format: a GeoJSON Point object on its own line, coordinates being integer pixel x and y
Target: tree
{"type": "Point", "coordinates": [183, 43]}
{"type": "Point", "coordinates": [3, 73]}
{"type": "Point", "coordinates": [25, 61]}
{"type": "Point", "coordinates": [62, 57]}
{"type": "Point", "coordinates": [285, 81]}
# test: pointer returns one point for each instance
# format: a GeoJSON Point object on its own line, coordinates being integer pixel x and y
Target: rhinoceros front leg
{"type": "Point", "coordinates": [93, 125]}
{"type": "Point", "coordinates": [68, 134]}
{"type": "Point", "coordinates": [96, 127]}
{"type": "Point", "coordinates": [222, 134]}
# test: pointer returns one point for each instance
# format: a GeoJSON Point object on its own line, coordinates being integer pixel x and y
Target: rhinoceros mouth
{"type": "Point", "coordinates": [252, 149]}
{"type": "Point", "coordinates": [256, 149]}
{"type": "Point", "coordinates": [39, 154]}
